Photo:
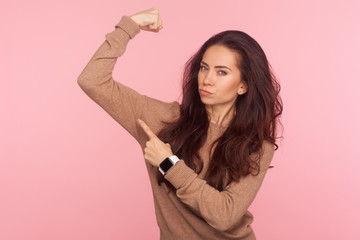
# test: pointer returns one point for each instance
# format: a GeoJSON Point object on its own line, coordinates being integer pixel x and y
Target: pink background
{"type": "Point", "coordinates": [69, 171]}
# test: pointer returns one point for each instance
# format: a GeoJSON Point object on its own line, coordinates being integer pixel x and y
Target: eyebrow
{"type": "Point", "coordinates": [215, 66]}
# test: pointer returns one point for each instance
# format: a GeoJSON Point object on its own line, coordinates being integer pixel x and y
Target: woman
{"type": "Point", "coordinates": [207, 156]}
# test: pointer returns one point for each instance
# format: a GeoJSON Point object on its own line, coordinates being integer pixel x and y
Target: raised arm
{"type": "Point", "coordinates": [120, 102]}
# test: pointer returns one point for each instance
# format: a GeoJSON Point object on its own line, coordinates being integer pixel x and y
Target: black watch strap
{"type": "Point", "coordinates": [167, 164]}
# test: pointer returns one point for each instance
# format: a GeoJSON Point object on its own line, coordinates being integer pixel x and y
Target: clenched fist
{"type": "Point", "coordinates": [148, 20]}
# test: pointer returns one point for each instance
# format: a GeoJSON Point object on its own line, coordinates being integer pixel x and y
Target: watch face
{"type": "Point", "coordinates": [166, 165]}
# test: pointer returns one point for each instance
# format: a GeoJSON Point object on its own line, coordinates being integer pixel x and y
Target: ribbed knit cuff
{"type": "Point", "coordinates": [179, 174]}
{"type": "Point", "coordinates": [129, 26]}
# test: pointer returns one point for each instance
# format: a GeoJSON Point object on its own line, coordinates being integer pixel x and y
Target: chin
{"type": "Point", "coordinates": [208, 103]}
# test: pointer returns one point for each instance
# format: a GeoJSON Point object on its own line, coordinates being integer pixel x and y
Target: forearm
{"type": "Point", "coordinates": [220, 209]}
{"type": "Point", "coordinates": [121, 102]}
{"type": "Point", "coordinates": [98, 71]}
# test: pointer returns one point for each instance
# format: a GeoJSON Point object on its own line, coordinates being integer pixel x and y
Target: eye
{"type": "Point", "coordinates": [203, 68]}
{"type": "Point", "coordinates": [222, 72]}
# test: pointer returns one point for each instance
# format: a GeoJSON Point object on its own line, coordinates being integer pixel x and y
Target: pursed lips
{"type": "Point", "coordinates": [204, 91]}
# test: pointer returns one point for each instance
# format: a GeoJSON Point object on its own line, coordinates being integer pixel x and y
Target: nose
{"type": "Point", "coordinates": [209, 78]}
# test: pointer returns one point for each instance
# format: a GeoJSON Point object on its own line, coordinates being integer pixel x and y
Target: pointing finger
{"type": "Point", "coordinates": [146, 129]}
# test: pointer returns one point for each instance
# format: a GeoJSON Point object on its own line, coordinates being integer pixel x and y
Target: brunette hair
{"type": "Point", "coordinates": [256, 118]}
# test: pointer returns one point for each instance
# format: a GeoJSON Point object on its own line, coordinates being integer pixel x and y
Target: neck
{"type": "Point", "coordinates": [220, 115]}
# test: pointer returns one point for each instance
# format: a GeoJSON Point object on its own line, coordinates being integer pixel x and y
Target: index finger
{"type": "Point", "coordinates": [146, 129]}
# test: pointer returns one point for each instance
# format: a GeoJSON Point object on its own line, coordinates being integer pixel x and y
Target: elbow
{"type": "Point", "coordinates": [84, 83]}
{"type": "Point", "coordinates": [87, 87]}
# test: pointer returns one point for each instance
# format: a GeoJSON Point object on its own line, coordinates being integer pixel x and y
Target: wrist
{"type": "Point", "coordinates": [168, 163]}
{"type": "Point", "coordinates": [129, 26]}
{"type": "Point", "coordinates": [134, 18]}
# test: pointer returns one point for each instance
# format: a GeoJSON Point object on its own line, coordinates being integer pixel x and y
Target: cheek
{"type": "Point", "coordinates": [230, 86]}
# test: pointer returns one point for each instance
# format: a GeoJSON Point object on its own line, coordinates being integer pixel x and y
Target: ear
{"type": "Point", "coordinates": [242, 88]}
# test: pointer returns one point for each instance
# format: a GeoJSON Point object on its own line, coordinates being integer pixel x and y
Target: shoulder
{"type": "Point", "coordinates": [268, 150]}
{"type": "Point", "coordinates": [268, 147]}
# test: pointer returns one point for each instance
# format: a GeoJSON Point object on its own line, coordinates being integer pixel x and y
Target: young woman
{"type": "Point", "coordinates": [207, 156]}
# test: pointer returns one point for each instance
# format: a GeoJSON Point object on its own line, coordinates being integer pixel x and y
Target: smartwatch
{"type": "Point", "coordinates": [168, 163]}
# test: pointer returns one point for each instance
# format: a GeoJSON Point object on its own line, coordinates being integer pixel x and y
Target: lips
{"type": "Point", "coordinates": [204, 92]}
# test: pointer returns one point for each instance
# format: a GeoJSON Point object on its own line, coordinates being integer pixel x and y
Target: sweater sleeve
{"type": "Point", "coordinates": [220, 209]}
{"type": "Point", "coordinates": [97, 82]}
{"type": "Point", "coordinates": [122, 103]}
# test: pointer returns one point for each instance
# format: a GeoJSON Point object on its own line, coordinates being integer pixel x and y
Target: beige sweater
{"type": "Point", "coordinates": [196, 210]}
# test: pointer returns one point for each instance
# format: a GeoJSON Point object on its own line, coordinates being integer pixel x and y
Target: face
{"type": "Point", "coordinates": [219, 77]}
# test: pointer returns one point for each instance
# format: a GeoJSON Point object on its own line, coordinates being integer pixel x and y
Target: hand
{"type": "Point", "coordinates": [155, 151]}
{"type": "Point", "coordinates": [148, 20]}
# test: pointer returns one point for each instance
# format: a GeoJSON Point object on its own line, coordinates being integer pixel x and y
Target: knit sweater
{"type": "Point", "coordinates": [193, 209]}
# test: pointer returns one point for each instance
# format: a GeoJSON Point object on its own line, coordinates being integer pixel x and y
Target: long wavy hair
{"type": "Point", "coordinates": [256, 118]}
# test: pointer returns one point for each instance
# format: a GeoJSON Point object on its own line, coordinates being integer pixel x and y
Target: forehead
{"type": "Point", "coordinates": [220, 55]}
